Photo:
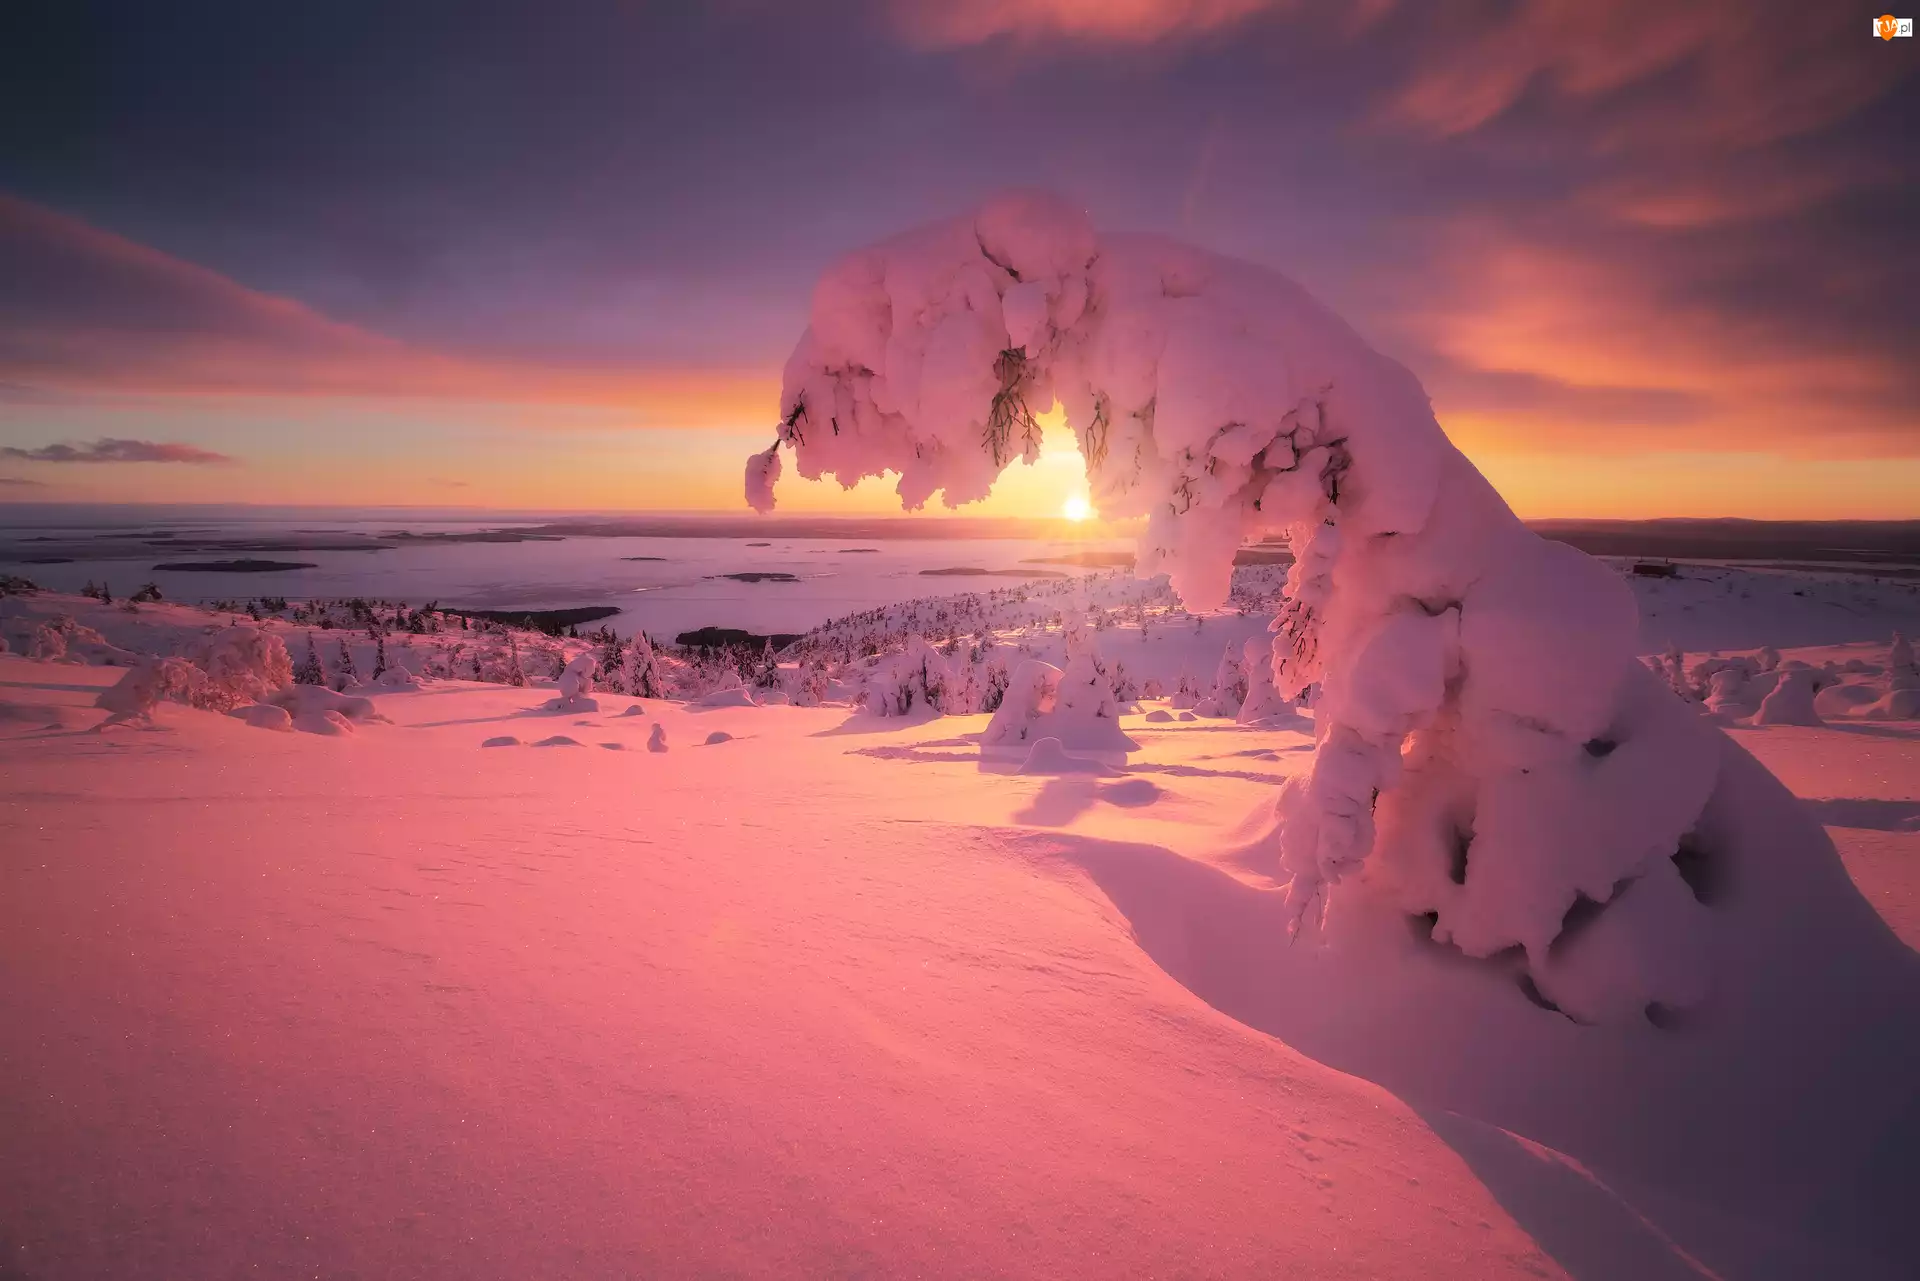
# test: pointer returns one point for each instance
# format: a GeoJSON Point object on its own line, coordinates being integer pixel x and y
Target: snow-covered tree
{"type": "Point", "coordinates": [612, 662]}
{"type": "Point", "coordinates": [766, 672]}
{"type": "Point", "coordinates": [148, 593]}
{"type": "Point", "coordinates": [1263, 701]}
{"type": "Point", "coordinates": [1790, 702]}
{"type": "Point", "coordinates": [993, 686]}
{"type": "Point", "coordinates": [516, 675]}
{"type": "Point", "coordinates": [810, 690]}
{"type": "Point", "coordinates": [642, 668]}
{"type": "Point", "coordinates": [913, 682]}
{"type": "Point", "coordinates": [1900, 655]}
{"type": "Point", "coordinates": [379, 653]}
{"type": "Point", "coordinates": [1229, 685]}
{"type": "Point", "coordinates": [1463, 665]}
{"type": "Point", "coordinates": [344, 672]}
{"type": "Point", "coordinates": [576, 685]}
{"type": "Point", "coordinates": [310, 672]}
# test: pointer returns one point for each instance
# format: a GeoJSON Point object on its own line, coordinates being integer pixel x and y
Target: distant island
{"type": "Point", "coordinates": [733, 637]}
{"type": "Point", "coordinates": [759, 544]}
{"type": "Point", "coordinates": [849, 551]}
{"type": "Point", "coordinates": [643, 558]}
{"type": "Point", "coordinates": [970, 571]}
{"type": "Point", "coordinates": [759, 576]}
{"type": "Point", "coordinates": [242, 566]}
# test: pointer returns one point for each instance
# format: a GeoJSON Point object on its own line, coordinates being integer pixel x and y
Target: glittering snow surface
{"type": "Point", "coordinates": [846, 994]}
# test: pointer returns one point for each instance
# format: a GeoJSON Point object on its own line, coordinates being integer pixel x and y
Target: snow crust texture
{"type": "Point", "coordinates": [1474, 687]}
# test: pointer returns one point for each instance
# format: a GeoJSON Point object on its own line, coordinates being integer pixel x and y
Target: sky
{"type": "Point", "coordinates": [1649, 258]}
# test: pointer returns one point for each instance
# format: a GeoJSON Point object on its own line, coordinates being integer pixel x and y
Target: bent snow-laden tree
{"type": "Point", "coordinates": [1483, 729]}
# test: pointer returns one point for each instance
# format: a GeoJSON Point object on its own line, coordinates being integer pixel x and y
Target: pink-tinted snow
{"type": "Point", "coordinates": [393, 1006]}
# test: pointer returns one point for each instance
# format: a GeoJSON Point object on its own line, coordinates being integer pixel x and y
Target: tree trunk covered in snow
{"type": "Point", "coordinates": [1480, 716]}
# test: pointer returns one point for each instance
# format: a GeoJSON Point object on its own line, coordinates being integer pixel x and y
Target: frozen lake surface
{"type": "Point", "coordinates": [664, 585]}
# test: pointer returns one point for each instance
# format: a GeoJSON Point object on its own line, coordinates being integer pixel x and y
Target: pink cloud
{"type": "Point", "coordinates": [946, 23]}
{"type": "Point", "coordinates": [1744, 74]}
{"type": "Point", "coordinates": [1552, 342]}
{"type": "Point", "coordinates": [110, 450]}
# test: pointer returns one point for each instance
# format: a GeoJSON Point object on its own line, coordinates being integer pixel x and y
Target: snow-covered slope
{"type": "Point", "coordinates": [479, 987]}
{"type": "Point", "coordinates": [814, 1001]}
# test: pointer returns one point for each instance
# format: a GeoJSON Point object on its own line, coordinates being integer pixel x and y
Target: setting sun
{"type": "Point", "coordinates": [1076, 507]}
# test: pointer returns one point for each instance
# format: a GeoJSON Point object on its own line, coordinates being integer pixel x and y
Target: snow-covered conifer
{"type": "Point", "coordinates": [310, 672]}
{"type": "Point", "coordinates": [993, 686]}
{"type": "Point", "coordinates": [344, 673]}
{"type": "Point", "coordinates": [642, 667]}
{"type": "Point", "coordinates": [766, 673]}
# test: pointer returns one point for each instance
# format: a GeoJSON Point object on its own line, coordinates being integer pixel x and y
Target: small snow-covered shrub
{"type": "Point", "coordinates": [1263, 702]}
{"type": "Point", "coordinates": [1029, 695]}
{"type": "Point", "coordinates": [1230, 684]}
{"type": "Point", "coordinates": [1790, 702]}
{"type": "Point", "coordinates": [264, 716]}
{"type": "Point", "coordinates": [1844, 699]}
{"type": "Point", "coordinates": [150, 682]}
{"type": "Point", "coordinates": [48, 644]}
{"type": "Point", "coordinates": [312, 705]}
{"type": "Point", "coordinates": [576, 685]}
{"type": "Point", "coordinates": [1075, 705]}
{"type": "Point", "coordinates": [244, 664]}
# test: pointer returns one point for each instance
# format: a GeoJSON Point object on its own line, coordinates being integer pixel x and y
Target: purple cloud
{"type": "Point", "coordinates": [109, 450]}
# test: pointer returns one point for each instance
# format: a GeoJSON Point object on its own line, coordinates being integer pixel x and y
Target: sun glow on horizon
{"type": "Point", "coordinates": [1077, 508]}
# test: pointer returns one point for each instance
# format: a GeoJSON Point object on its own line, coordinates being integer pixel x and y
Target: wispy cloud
{"type": "Point", "coordinates": [949, 23]}
{"type": "Point", "coordinates": [85, 312]}
{"type": "Point", "coordinates": [110, 450]}
{"type": "Point", "coordinates": [21, 482]}
{"type": "Point", "coordinates": [1733, 73]}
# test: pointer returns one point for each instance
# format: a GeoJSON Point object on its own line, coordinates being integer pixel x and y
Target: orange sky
{"type": "Point", "coordinates": [1648, 259]}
